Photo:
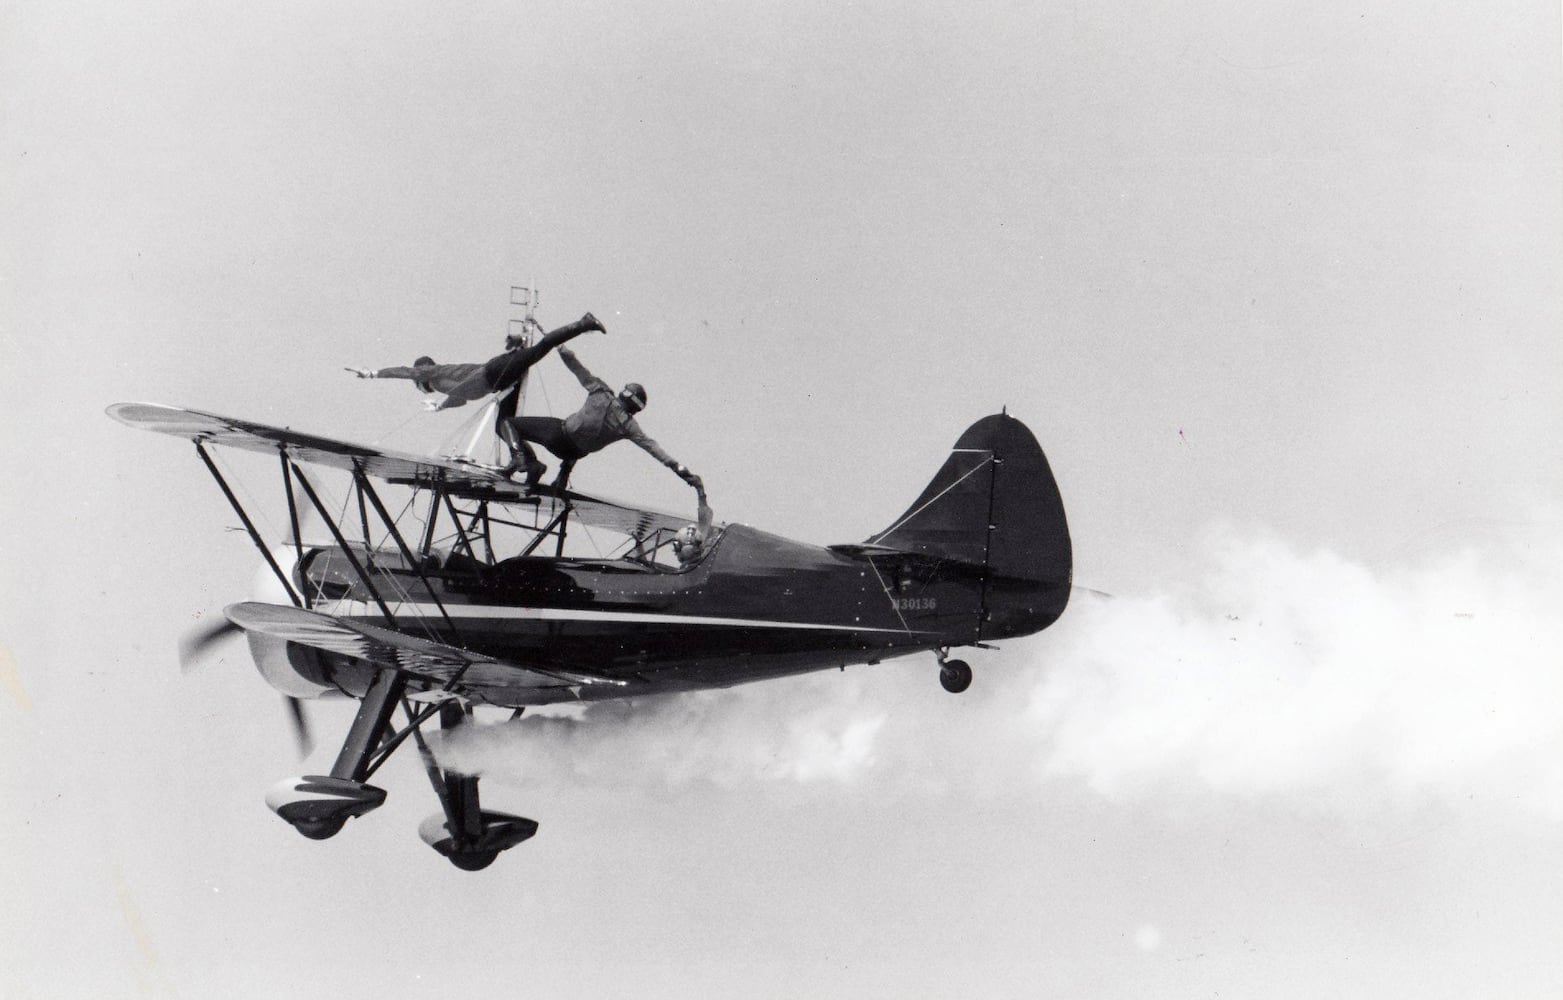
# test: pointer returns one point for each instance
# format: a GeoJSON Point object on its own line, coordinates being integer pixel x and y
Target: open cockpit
{"type": "Point", "coordinates": [328, 574]}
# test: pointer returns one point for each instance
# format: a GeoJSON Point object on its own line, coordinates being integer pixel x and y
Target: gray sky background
{"type": "Point", "coordinates": [1278, 289]}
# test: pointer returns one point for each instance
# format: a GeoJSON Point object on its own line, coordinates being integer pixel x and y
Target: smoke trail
{"type": "Point", "coordinates": [798, 731]}
{"type": "Point", "coordinates": [1288, 672]}
{"type": "Point", "coordinates": [1267, 672]}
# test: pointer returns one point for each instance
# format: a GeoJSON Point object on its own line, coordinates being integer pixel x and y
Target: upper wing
{"type": "Point", "coordinates": [458, 478]}
{"type": "Point", "coordinates": [474, 673]}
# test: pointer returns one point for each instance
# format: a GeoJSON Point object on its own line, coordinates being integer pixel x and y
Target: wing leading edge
{"type": "Point", "coordinates": [466, 672]}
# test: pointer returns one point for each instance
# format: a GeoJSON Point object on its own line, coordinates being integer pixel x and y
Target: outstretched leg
{"type": "Point", "coordinates": [505, 370]}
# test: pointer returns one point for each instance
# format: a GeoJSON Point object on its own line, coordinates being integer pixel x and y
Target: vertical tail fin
{"type": "Point", "coordinates": [995, 504]}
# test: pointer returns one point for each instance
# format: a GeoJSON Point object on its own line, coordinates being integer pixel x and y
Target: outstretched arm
{"type": "Point", "coordinates": [401, 372]}
{"type": "Point", "coordinates": [634, 433]}
{"type": "Point", "coordinates": [682, 471]}
{"type": "Point", "coordinates": [582, 375]}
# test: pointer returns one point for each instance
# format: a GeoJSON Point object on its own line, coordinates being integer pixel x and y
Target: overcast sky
{"type": "Point", "coordinates": [1279, 291]}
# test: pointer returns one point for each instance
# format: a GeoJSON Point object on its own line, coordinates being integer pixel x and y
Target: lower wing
{"type": "Point", "coordinates": [450, 667]}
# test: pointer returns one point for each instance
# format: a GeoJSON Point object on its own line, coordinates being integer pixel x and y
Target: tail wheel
{"type": "Point", "coordinates": [955, 675]}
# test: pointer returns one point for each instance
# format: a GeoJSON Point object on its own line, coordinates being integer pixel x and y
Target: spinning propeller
{"type": "Point", "coordinates": [198, 642]}
{"type": "Point", "coordinates": [196, 645]}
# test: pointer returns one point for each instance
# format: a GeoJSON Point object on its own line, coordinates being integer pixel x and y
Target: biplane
{"type": "Point", "coordinates": [469, 595]}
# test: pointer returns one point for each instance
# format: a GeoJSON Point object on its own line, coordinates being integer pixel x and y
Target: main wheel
{"type": "Point", "coordinates": [320, 829]}
{"type": "Point", "coordinates": [955, 675]}
{"type": "Point", "coordinates": [472, 861]}
{"type": "Point", "coordinates": [501, 831]}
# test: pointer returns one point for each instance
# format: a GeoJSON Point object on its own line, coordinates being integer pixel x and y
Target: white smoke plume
{"type": "Point", "coordinates": [802, 732]}
{"type": "Point", "coordinates": [1268, 672]}
{"type": "Point", "coordinates": [1282, 671]}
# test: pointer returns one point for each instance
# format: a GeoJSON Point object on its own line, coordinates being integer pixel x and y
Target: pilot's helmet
{"type": "Point", "coordinates": [633, 396]}
{"type": "Point", "coordinates": [688, 543]}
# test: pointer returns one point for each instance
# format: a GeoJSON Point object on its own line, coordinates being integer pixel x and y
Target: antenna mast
{"type": "Point", "coordinates": [527, 328]}
{"type": "Point", "coordinates": [520, 332]}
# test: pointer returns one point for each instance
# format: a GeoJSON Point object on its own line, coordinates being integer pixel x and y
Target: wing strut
{"type": "Point", "coordinates": [434, 514]}
{"type": "Point", "coordinates": [249, 525]}
{"type": "Point", "coordinates": [455, 519]}
{"type": "Point", "coordinates": [539, 537]}
{"type": "Point", "coordinates": [298, 534]}
{"type": "Point", "coordinates": [347, 550]}
{"type": "Point", "coordinates": [364, 489]}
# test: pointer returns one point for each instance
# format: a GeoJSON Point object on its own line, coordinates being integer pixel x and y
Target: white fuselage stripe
{"type": "Point", "coordinates": [361, 609]}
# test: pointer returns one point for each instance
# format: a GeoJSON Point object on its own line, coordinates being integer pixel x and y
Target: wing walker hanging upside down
{"type": "Point", "coordinates": [454, 602]}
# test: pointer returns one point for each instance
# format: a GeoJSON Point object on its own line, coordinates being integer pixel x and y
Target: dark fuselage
{"type": "Point", "coordinates": [754, 606]}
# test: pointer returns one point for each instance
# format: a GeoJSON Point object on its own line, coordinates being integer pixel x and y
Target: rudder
{"type": "Point", "coordinates": [994, 504]}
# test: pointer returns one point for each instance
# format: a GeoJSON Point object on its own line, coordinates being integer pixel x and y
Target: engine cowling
{"type": "Point", "coordinates": [300, 671]}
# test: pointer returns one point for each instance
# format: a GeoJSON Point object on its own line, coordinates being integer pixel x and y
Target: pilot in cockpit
{"type": "Point", "coordinates": [689, 545]}
{"type": "Point", "coordinates": [692, 539]}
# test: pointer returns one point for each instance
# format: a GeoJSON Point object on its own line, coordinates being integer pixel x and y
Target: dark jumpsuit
{"type": "Point", "coordinates": [601, 421]}
{"type": "Point", "coordinates": [466, 382]}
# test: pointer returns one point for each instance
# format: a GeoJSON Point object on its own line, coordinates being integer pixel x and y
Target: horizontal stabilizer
{"type": "Point", "coordinates": [384, 647]}
{"type": "Point", "coordinates": [905, 556]}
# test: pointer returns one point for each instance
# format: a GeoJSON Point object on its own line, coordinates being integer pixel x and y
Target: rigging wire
{"type": "Point", "coordinates": [397, 429]}
{"type": "Point", "coordinates": [879, 538]}
{"type": "Point", "coordinates": [592, 539]}
{"type": "Point", "coordinates": [255, 508]}
{"type": "Point", "coordinates": [889, 595]}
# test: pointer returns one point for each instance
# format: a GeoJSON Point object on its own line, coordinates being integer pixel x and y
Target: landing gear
{"type": "Point", "coordinates": [496, 831]}
{"type": "Point", "coordinates": [469, 836]}
{"type": "Point", "coordinates": [954, 675]}
{"type": "Point", "coordinates": [318, 806]}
